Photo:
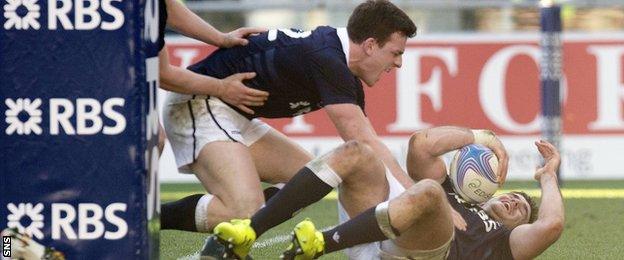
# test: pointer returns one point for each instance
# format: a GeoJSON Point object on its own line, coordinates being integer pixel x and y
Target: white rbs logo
{"type": "Point", "coordinates": [22, 210]}
{"type": "Point", "coordinates": [89, 218]}
{"type": "Point", "coordinates": [16, 109]}
{"type": "Point", "coordinates": [21, 21]}
{"type": "Point", "coordinates": [25, 14]}
{"type": "Point", "coordinates": [24, 116]}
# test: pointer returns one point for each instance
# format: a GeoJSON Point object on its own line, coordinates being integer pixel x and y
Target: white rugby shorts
{"type": "Point", "coordinates": [192, 124]}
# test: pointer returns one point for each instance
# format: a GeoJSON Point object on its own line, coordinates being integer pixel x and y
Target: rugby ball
{"type": "Point", "coordinates": [473, 173]}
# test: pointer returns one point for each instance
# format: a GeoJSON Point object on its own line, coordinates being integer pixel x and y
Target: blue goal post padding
{"type": "Point", "coordinates": [551, 72]}
{"type": "Point", "coordinates": [79, 128]}
{"type": "Point", "coordinates": [550, 23]}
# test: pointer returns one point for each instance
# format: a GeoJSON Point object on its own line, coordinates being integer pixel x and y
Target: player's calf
{"type": "Point", "coordinates": [242, 206]}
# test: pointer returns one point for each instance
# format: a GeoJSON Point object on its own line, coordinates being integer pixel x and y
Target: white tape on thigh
{"type": "Point", "coordinates": [324, 172]}
{"type": "Point", "coordinates": [389, 250]}
{"type": "Point", "coordinates": [201, 213]}
{"type": "Point", "coordinates": [383, 219]}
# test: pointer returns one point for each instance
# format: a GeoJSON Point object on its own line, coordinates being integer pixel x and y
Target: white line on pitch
{"type": "Point", "coordinates": [194, 256]}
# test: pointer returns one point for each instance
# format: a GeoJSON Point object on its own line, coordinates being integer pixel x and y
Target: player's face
{"type": "Point", "coordinates": [383, 59]}
{"type": "Point", "coordinates": [511, 209]}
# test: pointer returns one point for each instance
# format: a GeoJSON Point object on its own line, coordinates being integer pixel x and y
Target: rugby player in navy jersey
{"type": "Point", "coordinates": [172, 78]}
{"type": "Point", "coordinates": [229, 89]}
{"type": "Point", "coordinates": [230, 151]}
{"type": "Point", "coordinates": [424, 221]}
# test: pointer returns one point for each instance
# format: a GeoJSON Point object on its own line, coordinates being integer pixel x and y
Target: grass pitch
{"type": "Point", "coordinates": [594, 226]}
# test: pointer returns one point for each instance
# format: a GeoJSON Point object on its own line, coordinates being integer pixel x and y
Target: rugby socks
{"type": "Point", "coordinates": [187, 213]}
{"type": "Point", "coordinates": [302, 190]}
{"type": "Point", "coordinates": [201, 213]}
{"type": "Point", "coordinates": [271, 191]}
{"type": "Point", "coordinates": [179, 214]}
{"type": "Point", "coordinates": [351, 233]}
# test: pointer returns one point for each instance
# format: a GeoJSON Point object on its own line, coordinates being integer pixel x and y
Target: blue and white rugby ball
{"type": "Point", "coordinates": [473, 173]}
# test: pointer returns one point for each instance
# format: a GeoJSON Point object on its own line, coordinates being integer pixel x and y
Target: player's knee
{"type": "Point", "coordinates": [433, 189]}
{"type": "Point", "coordinates": [357, 153]}
{"type": "Point", "coordinates": [354, 160]}
{"type": "Point", "coordinates": [427, 194]}
{"type": "Point", "coordinates": [353, 148]}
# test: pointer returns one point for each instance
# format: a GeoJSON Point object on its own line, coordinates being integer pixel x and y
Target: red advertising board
{"type": "Point", "coordinates": [486, 81]}
{"type": "Point", "coordinates": [480, 82]}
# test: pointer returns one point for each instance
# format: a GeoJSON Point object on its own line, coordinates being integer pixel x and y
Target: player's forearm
{"type": "Point", "coordinates": [187, 82]}
{"type": "Point", "coordinates": [183, 20]}
{"type": "Point", "coordinates": [440, 140]}
{"type": "Point", "coordinates": [353, 125]}
{"type": "Point", "coordinates": [551, 212]}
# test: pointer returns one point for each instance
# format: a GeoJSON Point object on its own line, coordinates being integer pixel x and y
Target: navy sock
{"type": "Point", "coordinates": [352, 233]}
{"type": "Point", "coordinates": [180, 214]}
{"type": "Point", "coordinates": [302, 190]}
{"type": "Point", "coordinates": [270, 192]}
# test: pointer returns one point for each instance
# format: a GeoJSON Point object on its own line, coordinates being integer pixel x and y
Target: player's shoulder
{"type": "Point", "coordinates": [325, 39]}
{"type": "Point", "coordinates": [328, 47]}
{"type": "Point", "coordinates": [324, 29]}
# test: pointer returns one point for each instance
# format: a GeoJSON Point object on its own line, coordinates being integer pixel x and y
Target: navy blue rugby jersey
{"type": "Point", "coordinates": [484, 237]}
{"type": "Point", "coordinates": [302, 71]}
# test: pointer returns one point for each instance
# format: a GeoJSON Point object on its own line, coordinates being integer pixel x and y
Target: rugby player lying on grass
{"type": "Point", "coordinates": [415, 223]}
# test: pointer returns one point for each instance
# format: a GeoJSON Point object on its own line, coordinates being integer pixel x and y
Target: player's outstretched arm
{"type": "Point", "coordinates": [231, 89]}
{"type": "Point", "coordinates": [352, 124]}
{"type": "Point", "coordinates": [530, 240]}
{"type": "Point", "coordinates": [183, 20]}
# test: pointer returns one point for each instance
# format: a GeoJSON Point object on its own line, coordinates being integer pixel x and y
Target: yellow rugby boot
{"type": "Point", "coordinates": [235, 236]}
{"type": "Point", "coordinates": [307, 242]}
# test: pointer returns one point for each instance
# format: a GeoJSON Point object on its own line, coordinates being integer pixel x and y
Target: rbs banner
{"type": "Point", "coordinates": [78, 133]}
{"type": "Point", "coordinates": [486, 81]}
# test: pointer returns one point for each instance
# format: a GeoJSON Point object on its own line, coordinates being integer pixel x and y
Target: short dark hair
{"type": "Point", "coordinates": [378, 19]}
{"type": "Point", "coordinates": [532, 204]}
